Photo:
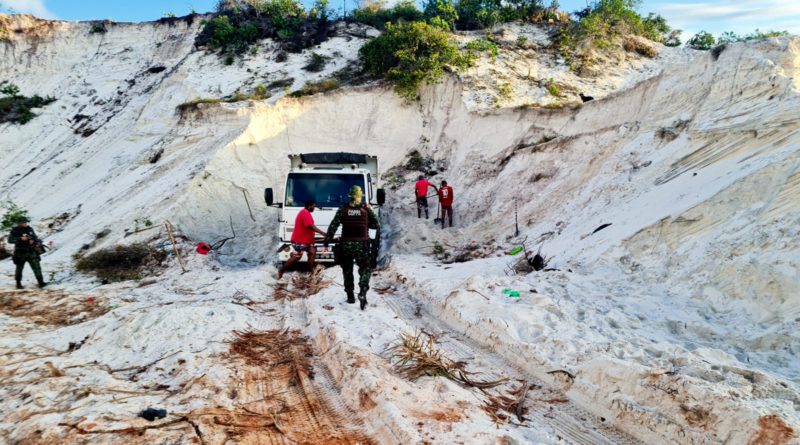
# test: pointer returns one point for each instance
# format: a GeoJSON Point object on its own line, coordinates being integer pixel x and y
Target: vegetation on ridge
{"type": "Point", "coordinates": [408, 54]}
{"type": "Point", "coordinates": [237, 24]}
{"type": "Point", "coordinates": [16, 108]}
{"type": "Point", "coordinates": [705, 41]}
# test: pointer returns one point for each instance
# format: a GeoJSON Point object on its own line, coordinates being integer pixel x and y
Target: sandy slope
{"type": "Point", "coordinates": [677, 323]}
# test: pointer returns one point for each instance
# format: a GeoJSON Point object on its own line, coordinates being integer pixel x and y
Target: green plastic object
{"type": "Point", "coordinates": [113, 306]}
{"type": "Point", "coordinates": [515, 251]}
{"type": "Point", "coordinates": [511, 293]}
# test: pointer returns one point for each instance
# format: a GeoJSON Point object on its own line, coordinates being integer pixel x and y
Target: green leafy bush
{"type": "Point", "coordinates": [478, 14]}
{"type": "Point", "coordinates": [655, 28]}
{"type": "Point", "coordinates": [702, 41]}
{"type": "Point", "coordinates": [483, 45]}
{"type": "Point", "coordinates": [12, 215]}
{"type": "Point", "coordinates": [16, 108]}
{"type": "Point", "coordinates": [731, 37]}
{"type": "Point", "coordinates": [227, 37]}
{"type": "Point", "coordinates": [410, 54]}
{"type": "Point", "coordinates": [441, 13]}
{"type": "Point", "coordinates": [375, 15]}
{"type": "Point", "coordinates": [239, 24]}
{"type": "Point", "coordinates": [121, 262]}
{"type": "Point", "coordinates": [604, 24]}
{"type": "Point", "coordinates": [553, 88]}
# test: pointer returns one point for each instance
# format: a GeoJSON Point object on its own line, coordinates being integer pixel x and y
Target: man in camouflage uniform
{"type": "Point", "coordinates": [356, 218]}
{"type": "Point", "coordinates": [25, 241]}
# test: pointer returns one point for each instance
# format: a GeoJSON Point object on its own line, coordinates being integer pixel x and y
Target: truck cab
{"type": "Point", "coordinates": [325, 178]}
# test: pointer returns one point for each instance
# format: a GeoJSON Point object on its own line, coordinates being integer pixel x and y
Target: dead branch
{"type": "Point", "coordinates": [244, 192]}
{"type": "Point", "coordinates": [484, 296]}
{"type": "Point", "coordinates": [218, 244]}
{"type": "Point", "coordinates": [168, 226]}
{"type": "Point", "coordinates": [143, 368]}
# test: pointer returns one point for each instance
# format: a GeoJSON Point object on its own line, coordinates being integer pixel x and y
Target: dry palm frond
{"type": "Point", "coordinates": [500, 407]}
{"type": "Point", "coordinates": [281, 292]}
{"type": "Point", "coordinates": [417, 355]}
{"type": "Point", "coordinates": [273, 348]}
{"type": "Point", "coordinates": [317, 281]}
{"type": "Point", "coordinates": [303, 285]}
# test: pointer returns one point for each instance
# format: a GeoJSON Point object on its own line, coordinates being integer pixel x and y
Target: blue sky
{"type": "Point", "coordinates": [715, 16]}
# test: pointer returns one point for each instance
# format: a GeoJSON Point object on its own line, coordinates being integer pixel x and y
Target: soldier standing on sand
{"type": "Point", "coordinates": [25, 244]}
{"type": "Point", "coordinates": [356, 218]}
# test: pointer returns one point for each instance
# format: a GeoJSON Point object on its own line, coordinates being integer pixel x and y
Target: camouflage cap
{"type": "Point", "coordinates": [355, 191]}
{"type": "Point", "coordinates": [23, 219]}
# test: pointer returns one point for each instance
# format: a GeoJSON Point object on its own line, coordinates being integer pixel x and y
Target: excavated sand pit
{"type": "Point", "coordinates": [675, 323]}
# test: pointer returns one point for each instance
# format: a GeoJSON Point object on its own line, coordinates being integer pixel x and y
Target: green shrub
{"type": "Point", "coordinates": [316, 63]}
{"type": "Point", "coordinates": [227, 37]}
{"type": "Point", "coordinates": [604, 23]}
{"type": "Point", "coordinates": [195, 104]}
{"type": "Point", "coordinates": [12, 214]}
{"type": "Point", "coordinates": [441, 13]}
{"type": "Point", "coordinates": [731, 37]}
{"type": "Point", "coordinates": [322, 86]}
{"type": "Point", "coordinates": [550, 14]}
{"type": "Point", "coordinates": [655, 28]}
{"type": "Point", "coordinates": [481, 45]}
{"type": "Point", "coordinates": [702, 40]}
{"type": "Point", "coordinates": [758, 35]}
{"type": "Point", "coordinates": [505, 90]}
{"type": "Point", "coordinates": [98, 28]}
{"type": "Point", "coordinates": [320, 11]}
{"type": "Point", "coordinates": [410, 54]}
{"type": "Point", "coordinates": [121, 262]}
{"type": "Point", "coordinates": [553, 88]}
{"type": "Point", "coordinates": [260, 92]}
{"type": "Point", "coordinates": [239, 24]}
{"type": "Point", "coordinates": [673, 39]}
{"type": "Point", "coordinates": [478, 14]}
{"type": "Point", "coordinates": [375, 15]}
{"type": "Point", "coordinates": [16, 108]}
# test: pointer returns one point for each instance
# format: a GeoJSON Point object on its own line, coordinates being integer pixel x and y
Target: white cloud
{"type": "Point", "coordinates": [34, 7]}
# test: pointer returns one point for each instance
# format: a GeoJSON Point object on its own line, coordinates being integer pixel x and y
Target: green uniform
{"type": "Point", "coordinates": [354, 244]}
{"type": "Point", "coordinates": [25, 252]}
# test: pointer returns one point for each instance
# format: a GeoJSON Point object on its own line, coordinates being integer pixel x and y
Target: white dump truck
{"type": "Point", "coordinates": [325, 178]}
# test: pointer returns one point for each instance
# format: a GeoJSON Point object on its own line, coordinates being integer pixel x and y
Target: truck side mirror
{"type": "Point", "coordinates": [381, 197]}
{"type": "Point", "coordinates": [268, 198]}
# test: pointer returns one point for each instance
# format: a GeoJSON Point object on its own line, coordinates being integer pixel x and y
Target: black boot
{"type": "Point", "coordinates": [19, 285]}
{"type": "Point", "coordinates": [362, 297]}
{"type": "Point", "coordinates": [42, 284]}
{"type": "Point", "coordinates": [351, 298]}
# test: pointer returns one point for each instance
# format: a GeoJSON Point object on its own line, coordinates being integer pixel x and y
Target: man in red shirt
{"type": "Point", "coordinates": [421, 194]}
{"type": "Point", "coordinates": [303, 238]}
{"type": "Point", "coordinates": [446, 200]}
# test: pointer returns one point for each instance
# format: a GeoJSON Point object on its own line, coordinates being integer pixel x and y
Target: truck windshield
{"type": "Point", "coordinates": [326, 189]}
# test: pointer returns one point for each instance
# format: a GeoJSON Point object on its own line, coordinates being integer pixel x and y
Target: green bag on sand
{"type": "Point", "coordinates": [515, 251]}
{"type": "Point", "coordinates": [511, 293]}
